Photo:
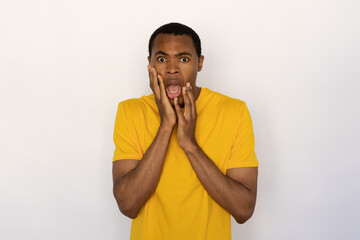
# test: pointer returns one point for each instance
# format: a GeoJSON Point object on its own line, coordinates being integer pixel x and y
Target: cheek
{"type": "Point", "coordinates": [160, 68]}
{"type": "Point", "coordinates": [192, 75]}
{"type": "Point", "coordinates": [190, 72]}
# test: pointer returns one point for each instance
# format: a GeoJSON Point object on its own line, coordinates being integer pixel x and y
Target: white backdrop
{"type": "Point", "coordinates": [64, 66]}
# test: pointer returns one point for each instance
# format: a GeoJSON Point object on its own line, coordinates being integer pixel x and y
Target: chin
{"type": "Point", "coordinates": [173, 104]}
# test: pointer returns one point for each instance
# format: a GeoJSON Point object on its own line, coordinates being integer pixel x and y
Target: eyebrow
{"type": "Point", "coordinates": [184, 53]}
{"type": "Point", "coordinates": [178, 54]}
{"type": "Point", "coordinates": [161, 53]}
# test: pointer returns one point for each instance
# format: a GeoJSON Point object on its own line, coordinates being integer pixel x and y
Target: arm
{"type": "Point", "coordinates": [135, 181]}
{"type": "Point", "coordinates": [235, 191]}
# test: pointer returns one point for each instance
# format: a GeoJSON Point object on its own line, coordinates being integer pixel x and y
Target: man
{"type": "Point", "coordinates": [184, 158]}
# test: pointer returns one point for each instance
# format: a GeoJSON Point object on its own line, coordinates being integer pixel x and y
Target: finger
{"type": "Point", "coordinates": [155, 81]}
{"type": "Point", "coordinates": [162, 87]}
{"type": "Point", "coordinates": [187, 103]}
{"type": "Point", "coordinates": [150, 76]}
{"type": "Point", "coordinates": [178, 111]}
{"type": "Point", "coordinates": [154, 84]}
{"type": "Point", "coordinates": [192, 100]}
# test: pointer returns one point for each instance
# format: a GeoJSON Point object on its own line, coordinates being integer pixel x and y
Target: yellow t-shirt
{"type": "Point", "coordinates": [181, 208]}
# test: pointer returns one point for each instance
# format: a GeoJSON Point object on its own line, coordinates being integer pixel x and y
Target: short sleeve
{"type": "Point", "coordinates": [243, 149]}
{"type": "Point", "coordinates": [126, 146]}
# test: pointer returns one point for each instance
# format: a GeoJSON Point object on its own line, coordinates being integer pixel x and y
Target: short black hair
{"type": "Point", "coordinates": [176, 29]}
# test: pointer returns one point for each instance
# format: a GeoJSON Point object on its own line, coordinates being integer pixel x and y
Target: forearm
{"type": "Point", "coordinates": [233, 196]}
{"type": "Point", "coordinates": [134, 189]}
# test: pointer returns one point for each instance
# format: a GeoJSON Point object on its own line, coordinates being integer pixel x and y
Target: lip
{"type": "Point", "coordinates": [173, 81]}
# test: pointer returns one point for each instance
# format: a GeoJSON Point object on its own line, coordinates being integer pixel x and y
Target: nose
{"type": "Point", "coordinates": [172, 68]}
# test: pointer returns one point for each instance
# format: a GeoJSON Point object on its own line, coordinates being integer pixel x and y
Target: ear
{"type": "Point", "coordinates": [200, 64]}
{"type": "Point", "coordinates": [149, 60]}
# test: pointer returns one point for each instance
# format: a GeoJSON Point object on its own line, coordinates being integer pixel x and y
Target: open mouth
{"type": "Point", "coordinates": [173, 91]}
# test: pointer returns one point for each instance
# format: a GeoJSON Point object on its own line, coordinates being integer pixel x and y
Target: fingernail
{"type": "Point", "coordinates": [175, 99]}
{"type": "Point", "coordinates": [184, 88]}
{"type": "Point", "coordinates": [188, 84]}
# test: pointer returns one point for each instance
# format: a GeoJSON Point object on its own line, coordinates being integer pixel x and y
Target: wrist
{"type": "Point", "coordinates": [165, 128]}
{"type": "Point", "coordinates": [190, 147]}
{"type": "Point", "coordinates": [167, 123]}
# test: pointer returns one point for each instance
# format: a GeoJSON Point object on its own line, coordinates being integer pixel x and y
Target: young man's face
{"type": "Point", "coordinates": [175, 59]}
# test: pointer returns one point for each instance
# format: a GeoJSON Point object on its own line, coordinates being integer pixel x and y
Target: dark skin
{"type": "Point", "coordinates": [174, 61]}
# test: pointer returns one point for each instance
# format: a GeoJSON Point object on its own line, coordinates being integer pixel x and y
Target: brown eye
{"type": "Point", "coordinates": [184, 59]}
{"type": "Point", "coordinates": [161, 59]}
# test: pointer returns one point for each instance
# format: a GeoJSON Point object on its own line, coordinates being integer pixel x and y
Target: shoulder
{"type": "Point", "coordinates": [225, 102]}
{"type": "Point", "coordinates": [134, 105]}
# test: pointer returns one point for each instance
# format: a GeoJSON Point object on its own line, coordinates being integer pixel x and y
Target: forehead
{"type": "Point", "coordinates": [170, 43]}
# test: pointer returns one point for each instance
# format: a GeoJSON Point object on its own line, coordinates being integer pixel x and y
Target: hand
{"type": "Point", "coordinates": [166, 111]}
{"type": "Point", "coordinates": [186, 120]}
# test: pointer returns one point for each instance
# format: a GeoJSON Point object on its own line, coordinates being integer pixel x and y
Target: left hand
{"type": "Point", "coordinates": [186, 120]}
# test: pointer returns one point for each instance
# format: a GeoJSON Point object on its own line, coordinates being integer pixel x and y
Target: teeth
{"type": "Point", "coordinates": [174, 91]}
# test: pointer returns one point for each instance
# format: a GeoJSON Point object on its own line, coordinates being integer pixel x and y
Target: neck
{"type": "Point", "coordinates": [197, 92]}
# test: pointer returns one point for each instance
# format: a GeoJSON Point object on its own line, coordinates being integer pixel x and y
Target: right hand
{"type": "Point", "coordinates": [166, 111]}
